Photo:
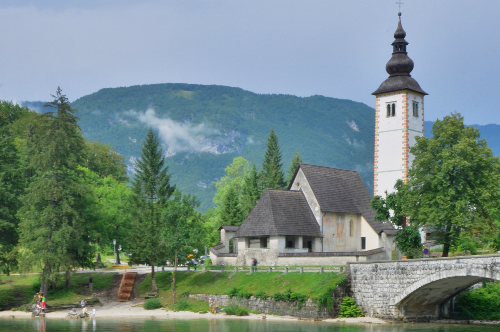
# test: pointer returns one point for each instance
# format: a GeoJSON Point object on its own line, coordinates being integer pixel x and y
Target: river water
{"type": "Point", "coordinates": [219, 325]}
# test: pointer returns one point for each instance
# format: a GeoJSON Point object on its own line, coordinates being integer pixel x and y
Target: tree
{"type": "Point", "coordinates": [104, 161]}
{"type": "Point", "coordinates": [151, 190]}
{"type": "Point", "coordinates": [231, 210]}
{"type": "Point", "coordinates": [11, 186]}
{"type": "Point", "coordinates": [296, 161]}
{"type": "Point", "coordinates": [453, 183]}
{"type": "Point", "coordinates": [51, 218]}
{"type": "Point", "coordinates": [250, 192]}
{"type": "Point", "coordinates": [390, 209]}
{"type": "Point", "coordinates": [184, 228]}
{"type": "Point", "coordinates": [272, 173]}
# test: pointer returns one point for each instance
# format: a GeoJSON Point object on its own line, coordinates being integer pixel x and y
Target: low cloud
{"type": "Point", "coordinates": [176, 135]}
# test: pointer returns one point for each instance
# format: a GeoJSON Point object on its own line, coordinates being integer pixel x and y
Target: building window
{"type": "Point", "coordinates": [415, 109]}
{"type": "Point", "coordinates": [290, 242]}
{"type": "Point", "coordinates": [263, 242]}
{"type": "Point", "coordinates": [351, 228]}
{"type": "Point", "coordinates": [391, 109]}
{"type": "Point", "coordinates": [363, 243]}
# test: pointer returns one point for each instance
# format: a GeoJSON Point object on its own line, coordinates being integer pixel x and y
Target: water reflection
{"type": "Point", "coordinates": [217, 325]}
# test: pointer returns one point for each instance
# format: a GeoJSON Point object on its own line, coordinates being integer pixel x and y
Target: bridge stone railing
{"type": "Point", "coordinates": [416, 289]}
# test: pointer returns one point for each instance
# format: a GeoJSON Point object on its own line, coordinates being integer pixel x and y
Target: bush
{"type": "Point", "coordinates": [235, 310]}
{"type": "Point", "coordinates": [236, 292]}
{"type": "Point", "coordinates": [181, 305]}
{"type": "Point", "coordinates": [288, 295]}
{"type": "Point", "coordinates": [261, 295]}
{"type": "Point", "coordinates": [326, 299]}
{"type": "Point", "coordinates": [482, 303]}
{"type": "Point", "coordinates": [348, 308]}
{"type": "Point", "coordinates": [152, 304]}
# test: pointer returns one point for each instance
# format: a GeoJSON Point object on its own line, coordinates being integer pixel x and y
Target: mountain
{"type": "Point", "coordinates": [203, 127]}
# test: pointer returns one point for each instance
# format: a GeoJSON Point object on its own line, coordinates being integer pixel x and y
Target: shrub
{"type": "Point", "coordinates": [233, 292]}
{"type": "Point", "coordinates": [348, 308]}
{"type": "Point", "coordinates": [288, 295]}
{"type": "Point", "coordinates": [152, 304]}
{"type": "Point", "coordinates": [181, 305]}
{"type": "Point", "coordinates": [326, 299]}
{"type": "Point", "coordinates": [261, 295]}
{"type": "Point", "coordinates": [482, 303]}
{"type": "Point", "coordinates": [236, 310]}
{"type": "Point", "coordinates": [236, 292]}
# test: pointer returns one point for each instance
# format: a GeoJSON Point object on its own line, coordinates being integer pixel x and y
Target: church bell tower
{"type": "Point", "coordinates": [399, 118]}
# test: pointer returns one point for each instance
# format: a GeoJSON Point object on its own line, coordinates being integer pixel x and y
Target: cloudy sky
{"type": "Point", "coordinates": [333, 48]}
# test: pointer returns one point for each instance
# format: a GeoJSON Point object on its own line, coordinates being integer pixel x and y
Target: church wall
{"type": "Point", "coordinates": [337, 233]}
{"type": "Point", "coordinates": [415, 124]}
{"type": "Point", "coordinates": [372, 238]}
{"type": "Point", "coordinates": [300, 183]}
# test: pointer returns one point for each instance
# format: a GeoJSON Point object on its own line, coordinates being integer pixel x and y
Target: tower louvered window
{"type": "Point", "coordinates": [415, 109]}
{"type": "Point", "coordinates": [391, 109]}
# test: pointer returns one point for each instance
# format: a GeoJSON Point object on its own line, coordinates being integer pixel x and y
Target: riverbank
{"type": "Point", "coordinates": [135, 310]}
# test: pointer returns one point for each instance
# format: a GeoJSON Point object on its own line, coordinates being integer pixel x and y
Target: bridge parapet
{"type": "Point", "coordinates": [417, 289]}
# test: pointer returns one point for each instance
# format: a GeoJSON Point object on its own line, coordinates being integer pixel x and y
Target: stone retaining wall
{"type": "Point", "coordinates": [309, 308]}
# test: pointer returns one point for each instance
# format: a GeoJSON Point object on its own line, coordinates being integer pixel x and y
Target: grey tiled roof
{"type": "Point", "coordinates": [395, 83]}
{"type": "Point", "coordinates": [339, 190]}
{"type": "Point", "coordinates": [280, 212]}
{"type": "Point", "coordinates": [229, 228]}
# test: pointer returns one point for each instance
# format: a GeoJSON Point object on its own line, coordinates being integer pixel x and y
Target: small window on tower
{"type": "Point", "coordinates": [391, 109]}
{"type": "Point", "coordinates": [415, 109]}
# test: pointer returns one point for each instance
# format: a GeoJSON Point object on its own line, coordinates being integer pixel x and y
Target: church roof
{"type": "Point", "coordinates": [399, 67]}
{"type": "Point", "coordinates": [229, 228]}
{"type": "Point", "coordinates": [342, 191]}
{"type": "Point", "coordinates": [280, 212]}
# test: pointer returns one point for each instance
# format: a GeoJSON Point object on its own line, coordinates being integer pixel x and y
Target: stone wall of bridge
{"type": "Point", "coordinates": [416, 289]}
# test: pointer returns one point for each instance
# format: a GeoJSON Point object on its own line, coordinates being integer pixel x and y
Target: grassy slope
{"type": "Point", "coordinates": [17, 290]}
{"type": "Point", "coordinates": [311, 284]}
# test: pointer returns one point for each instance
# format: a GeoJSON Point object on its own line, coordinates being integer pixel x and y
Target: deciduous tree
{"type": "Point", "coordinates": [453, 183]}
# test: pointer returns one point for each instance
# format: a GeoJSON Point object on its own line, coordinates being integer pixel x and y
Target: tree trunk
{"type": "Point", "coordinates": [153, 280]}
{"type": "Point", "coordinates": [173, 280]}
{"type": "Point", "coordinates": [44, 286]}
{"type": "Point", "coordinates": [446, 249]}
{"type": "Point", "coordinates": [118, 258]}
{"type": "Point", "coordinates": [446, 244]}
{"type": "Point", "coordinates": [67, 278]}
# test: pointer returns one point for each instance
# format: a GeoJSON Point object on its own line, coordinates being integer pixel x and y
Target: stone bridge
{"type": "Point", "coordinates": [416, 289]}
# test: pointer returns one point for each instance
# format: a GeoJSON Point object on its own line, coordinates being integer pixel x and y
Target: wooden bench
{"type": "Point", "coordinates": [151, 295]}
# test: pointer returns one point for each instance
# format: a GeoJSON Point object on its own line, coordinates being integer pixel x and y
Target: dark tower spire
{"type": "Point", "coordinates": [399, 66]}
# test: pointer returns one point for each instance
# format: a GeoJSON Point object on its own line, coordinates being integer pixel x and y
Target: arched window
{"type": "Point", "coordinates": [388, 110]}
{"type": "Point", "coordinates": [393, 109]}
{"type": "Point", "coordinates": [351, 228]}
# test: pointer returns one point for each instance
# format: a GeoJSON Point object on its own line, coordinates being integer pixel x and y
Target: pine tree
{"type": "Point", "coordinates": [11, 187]}
{"type": "Point", "coordinates": [272, 173]}
{"type": "Point", "coordinates": [52, 227]}
{"type": "Point", "coordinates": [250, 192]}
{"type": "Point", "coordinates": [151, 190]}
{"type": "Point", "coordinates": [231, 210]}
{"type": "Point", "coordinates": [296, 161]}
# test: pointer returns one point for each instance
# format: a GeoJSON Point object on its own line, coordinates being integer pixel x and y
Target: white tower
{"type": "Point", "coordinates": [399, 118]}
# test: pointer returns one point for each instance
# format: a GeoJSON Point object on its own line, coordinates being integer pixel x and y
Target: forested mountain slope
{"type": "Point", "coordinates": [203, 127]}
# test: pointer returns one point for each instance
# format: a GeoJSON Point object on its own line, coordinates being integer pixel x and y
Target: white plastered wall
{"type": "Point", "coordinates": [372, 238]}
{"type": "Point", "coordinates": [300, 183]}
{"type": "Point", "coordinates": [393, 136]}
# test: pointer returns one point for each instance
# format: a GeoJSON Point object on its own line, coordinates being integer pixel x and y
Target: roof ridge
{"type": "Point", "coordinates": [340, 169]}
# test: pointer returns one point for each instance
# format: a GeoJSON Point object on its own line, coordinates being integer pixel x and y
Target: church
{"type": "Point", "coordinates": [324, 216]}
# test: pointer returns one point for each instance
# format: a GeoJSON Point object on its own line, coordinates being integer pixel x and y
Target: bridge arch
{"type": "Point", "coordinates": [417, 289]}
{"type": "Point", "coordinates": [457, 280]}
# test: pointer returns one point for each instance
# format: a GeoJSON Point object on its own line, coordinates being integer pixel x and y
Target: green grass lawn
{"type": "Point", "coordinates": [16, 290]}
{"type": "Point", "coordinates": [313, 285]}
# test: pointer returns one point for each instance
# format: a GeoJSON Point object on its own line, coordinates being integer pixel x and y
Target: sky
{"type": "Point", "coordinates": [315, 47]}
